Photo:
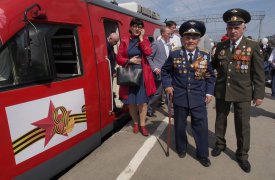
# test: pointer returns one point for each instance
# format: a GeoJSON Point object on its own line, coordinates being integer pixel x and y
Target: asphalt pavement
{"type": "Point", "coordinates": [132, 156]}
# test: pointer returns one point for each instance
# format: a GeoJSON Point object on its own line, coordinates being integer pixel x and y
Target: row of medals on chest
{"type": "Point", "coordinates": [199, 66]}
{"type": "Point", "coordinates": [241, 57]}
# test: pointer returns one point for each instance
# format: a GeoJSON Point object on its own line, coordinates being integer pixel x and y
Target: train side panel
{"type": "Point", "coordinates": [26, 109]}
{"type": "Point", "coordinates": [48, 125]}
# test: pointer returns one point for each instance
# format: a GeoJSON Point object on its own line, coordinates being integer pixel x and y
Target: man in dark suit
{"type": "Point", "coordinates": [240, 79]}
{"type": "Point", "coordinates": [192, 87]}
{"type": "Point", "coordinates": [156, 60]}
{"type": "Point", "coordinates": [112, 40]}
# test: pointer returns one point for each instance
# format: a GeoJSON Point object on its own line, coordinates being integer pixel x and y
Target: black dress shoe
{"type": "Point", "coordinates": [205, 161]}
{"type": "Point", "coordinates": [245, 165]}
{"type": "Point", "coordinates": [150, 114]}
{"type": "Point", "coordinates": [216, 151]}
{"type": "Point", "coordinates": [182, 154]}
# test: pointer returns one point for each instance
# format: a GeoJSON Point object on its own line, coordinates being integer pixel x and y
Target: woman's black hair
{"type": "Point", "coordinates": [136, 21]}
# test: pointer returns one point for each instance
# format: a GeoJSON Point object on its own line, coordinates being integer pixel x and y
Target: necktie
{"type": "Point", "coordinates": [233, 47]}
{"type": "Point", "coordinates": [190, 57]}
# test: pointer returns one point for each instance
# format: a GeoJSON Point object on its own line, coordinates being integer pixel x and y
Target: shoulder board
{"type": "Point", "coordinates": [203, 50]}
{"type": "Point", "coordinates": [253, 40]}
{"type": "Point", "coordinates": [176, 48]}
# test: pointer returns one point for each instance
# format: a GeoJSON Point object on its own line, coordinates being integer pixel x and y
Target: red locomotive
{"type": "Point", "coordinates": [55, 84]}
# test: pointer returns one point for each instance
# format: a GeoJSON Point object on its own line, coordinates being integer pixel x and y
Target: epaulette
{"type": "Point", "coordinates": [252, 40]}
{"type": "Point", "coordinates": [176, 48]}
{"type": "Point", "coordinates": [204, 50]}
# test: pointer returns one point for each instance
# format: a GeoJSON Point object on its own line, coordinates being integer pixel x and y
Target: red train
{"type": "Point", "coordinates": [55, 84]}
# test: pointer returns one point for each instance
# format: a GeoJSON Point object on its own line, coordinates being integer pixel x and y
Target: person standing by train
{"type": "Point", "coordinates": [192, 87]}
{"type": "Point", "coordinates": [112, 40]}
{"type": "Point", "coordinates": [133, 50]}
{"type": "Point", "coordinates": [174, 39]}
{"type": "Point", "coordinates": [241, 79]}
{"type": "Point", "coordinates": [156, 60]}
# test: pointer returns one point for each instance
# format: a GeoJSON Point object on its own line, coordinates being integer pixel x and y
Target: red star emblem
{"type": "Point", "coordinates": [49, 124]}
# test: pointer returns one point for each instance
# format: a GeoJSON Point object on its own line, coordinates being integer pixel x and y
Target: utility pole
{"type": "Point", "coordinates": [260, 30]}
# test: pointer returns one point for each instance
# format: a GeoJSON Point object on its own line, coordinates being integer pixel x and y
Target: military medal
{"type": "Point", "coordinates": [242, 68]}
{"type": "Point", "coordinates": [222, 54]}
{"type": "Point", "coordinates": [238, 66]}
{"type": "Point", "coordinates": [237, 54]}
{"type": "Point", "coordinates": [248, 50]}
{"type": "Point", "coordinates": [246, 67]}
{"type": "Point", "coordinates": [184, 71]}
{"type": "Point", "coordinates": [238, 51]}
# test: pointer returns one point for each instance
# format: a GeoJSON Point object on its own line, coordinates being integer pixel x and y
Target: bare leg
{"type": "Point", "coordinates": [133, 112]}
{"type": "Point", "coordinates": [142, 113]}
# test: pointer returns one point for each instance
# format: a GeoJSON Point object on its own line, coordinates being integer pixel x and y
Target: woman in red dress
{"type": "Point", "coordinates": [133, 50]}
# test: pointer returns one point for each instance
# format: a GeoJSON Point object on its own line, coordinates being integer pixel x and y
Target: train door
{"type": "Point", "coordinates": [111, 26]}
{"type": "Point", "coordinates": [98, 24]}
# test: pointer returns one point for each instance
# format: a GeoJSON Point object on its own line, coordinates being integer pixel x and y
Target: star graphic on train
{"type": "Point", "coordinates": [55, 123]}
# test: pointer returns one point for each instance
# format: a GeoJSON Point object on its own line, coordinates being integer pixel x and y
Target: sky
{"type": "Point", "coordinates": [180, 9]}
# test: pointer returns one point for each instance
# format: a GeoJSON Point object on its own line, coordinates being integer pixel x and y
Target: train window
{"type": "Point", "coordinates": [39, 53]}
{"type": "Point", "coordinates": [24, 63]}
{"type": "Point", "coordinates": [65, 53]}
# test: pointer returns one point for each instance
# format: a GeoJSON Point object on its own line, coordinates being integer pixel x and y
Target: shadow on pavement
{"type": "Point", "coordinates": [191, 150]}
{"type": "Point", "coordinates": [258, 111]}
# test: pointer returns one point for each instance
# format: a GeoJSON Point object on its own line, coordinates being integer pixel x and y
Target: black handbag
{"type": "Point", "coordinates": [129, 76]}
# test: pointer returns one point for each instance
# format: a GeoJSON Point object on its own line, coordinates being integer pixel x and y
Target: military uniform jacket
{"type": "Point", "coordinates": [191, 82]}
{"type": "Point", "coordinates": [240, 75]}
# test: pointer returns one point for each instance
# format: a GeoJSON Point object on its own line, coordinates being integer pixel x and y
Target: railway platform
{"type": "Point", "coordinates": [132, 156]}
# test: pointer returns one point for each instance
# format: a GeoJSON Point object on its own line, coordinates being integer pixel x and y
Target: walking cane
{"type": "Point", "coordinates": [169, 124]}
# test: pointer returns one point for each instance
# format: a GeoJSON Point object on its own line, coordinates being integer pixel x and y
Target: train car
{"type": "Point", "coordinates": [56, 100]}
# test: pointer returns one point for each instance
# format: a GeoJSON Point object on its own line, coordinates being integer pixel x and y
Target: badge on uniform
{"type": "Point", "coordinates": [242, 58]}
{"type": "Point", "coordinates": [179, 64]}
{"type": "Point", "coordinates": [200, 67]}
{"type": "Point", "coordinates": [222, 54]}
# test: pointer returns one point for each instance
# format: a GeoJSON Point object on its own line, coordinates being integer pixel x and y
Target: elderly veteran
{"type": "Point", "coordinates": [192, 87]}
{"type": "Point", "coordinates": [240, 80]}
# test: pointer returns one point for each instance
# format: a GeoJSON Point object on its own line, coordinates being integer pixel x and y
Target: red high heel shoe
{"type": "Point", "coordinates": [135, 128]}
{"type": "Point", "coordinates": [144, 131]}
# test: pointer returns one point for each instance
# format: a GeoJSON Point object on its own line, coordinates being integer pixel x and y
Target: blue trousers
{"type": "Point", "coordinates": [199, 125]}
